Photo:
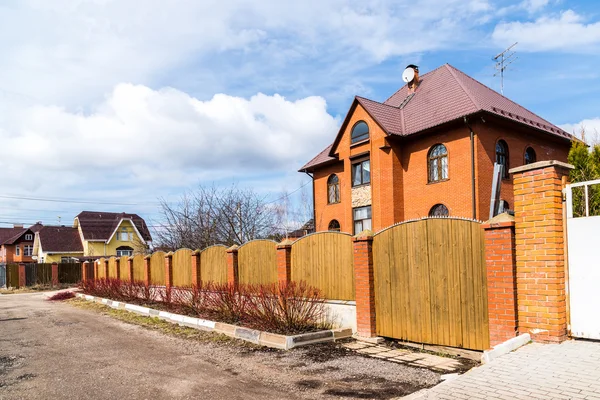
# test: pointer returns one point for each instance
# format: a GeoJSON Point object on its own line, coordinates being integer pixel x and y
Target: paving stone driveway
{"type": "Point", "coordinates": [570, 370]}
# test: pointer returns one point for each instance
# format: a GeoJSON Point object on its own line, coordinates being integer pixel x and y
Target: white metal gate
{"type": "Point", "coordinates": [583, 238]}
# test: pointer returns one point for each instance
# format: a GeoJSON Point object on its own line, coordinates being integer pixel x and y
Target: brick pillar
{"type": "Point", "coordinates": [196, 269]}
{"type": "Point", "coordinates": [130, 268]}
{"type": "Point", "coordinates": [169, 270]}
{"type": "Point", "coordinates": [96, 265]}
{"type": "Point", "coordinates": [147, 271]}
{"type": "Point", "coordinates": [118, 267]}
{"type": "Point", "coordinates": [22, 279]}
{"type": "Point", "coordinates": [501, 277]}
{"type": "Point", "coordinates": [84, 269]}
{"type": "Point", "coordinates": [364, 284]}
{"type": "Point", "coordinates": [284, 262]}
{"type": "Point", "coordinates": [54, 274]}
{"type": "Point", "coordinates": [232, 265]}
{"type": "Point", "coordinates": [105, 268]}
{"type": "Point", "coordinates": [540, 254]}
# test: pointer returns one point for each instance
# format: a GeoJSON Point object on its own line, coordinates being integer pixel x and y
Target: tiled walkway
{"type": "Point", "coordinates": [407, 357]}
{"type": "Point", "coordinates": [570, 370]}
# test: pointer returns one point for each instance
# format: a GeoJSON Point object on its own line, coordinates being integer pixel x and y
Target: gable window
{"type": "Point", "coordinates": [362, 219]}
{"type": "Point", "coordinates": [439, 210]}
{"type": "Point", "coordinates": [502, 157]}
{"type": "Point", "coordinates": [360, 132]}
{"type": "Point", "coordinates": [333, 189]}
{"type": "Point", "coordinates": [29, 236]}
{"type": "Point", "coordinates": [361, 173]}
{"type": "Point", "coordinates": [124, 235]}
{"type": "Point", "coordinates": [334, 226]}
{"type": "Point", "coordinates": [28, 250]}
{"type": "Point", "coordinates": [17, 250]}
{"type": "Point", "coordinates": [124, 251]}
{"type": "Point", "coordinates": [530, 157]}
{"type": "Point", "coordinates": [438, 163]}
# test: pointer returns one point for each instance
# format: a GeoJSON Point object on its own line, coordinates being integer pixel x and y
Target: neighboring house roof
{"type": "Point", "coordinates": [10, 235]}
{"type": "Point", "coordinates": [60, 239]}
{"type": "Point", "coordinates": [445, 94]}
{"type": "Point", "coordinates": [101, 225]}
{"type": "Point", "coordinates": [307, 228]}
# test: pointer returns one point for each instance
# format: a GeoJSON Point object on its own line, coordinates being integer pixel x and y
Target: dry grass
{"type": "Point", "coordinates": [36, 288]}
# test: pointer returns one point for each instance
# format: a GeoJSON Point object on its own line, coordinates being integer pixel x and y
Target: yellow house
{"type": "Point", "coordinates": [94, 234]}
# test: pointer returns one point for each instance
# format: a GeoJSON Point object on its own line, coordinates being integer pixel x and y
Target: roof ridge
{"type": "Point", "coordinates": [421, 77]}
{"type": "Point", "coordinates": [358, 98]}
{"type": "Point", "coordinates": [452, 70]}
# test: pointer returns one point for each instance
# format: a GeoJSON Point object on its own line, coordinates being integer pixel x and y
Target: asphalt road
{"type": "Point", "coordinates": [53, 350]}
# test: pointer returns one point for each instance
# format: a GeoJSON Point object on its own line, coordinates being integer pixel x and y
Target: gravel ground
{"type": "Point", "coordinates": [56, 350]}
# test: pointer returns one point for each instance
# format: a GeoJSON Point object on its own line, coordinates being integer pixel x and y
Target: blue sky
{"type": "Point", "coordinates": [126, 102]}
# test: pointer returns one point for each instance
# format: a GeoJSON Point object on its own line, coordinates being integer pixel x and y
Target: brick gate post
{"type": "Point", "coordinates": [105, 266]}
{"type": "Point", "coordinates": [169, 270]}
{"type": "Point", "coordinates": [84, 266]}
{"type": "Point", "coordinates": [118, 267]}
{"type": "Point", "coordinates": [501, 277]}
{"type": "Point", "coordinates": [147, 271]}
{"type": "Point", "coordinates": [22, 276]}
{"type": "Point", "coordinates": [364, 284]}
{"type": "Point", "coordinates": [196, 269]}
{"type": "Point", "coordinates": [54, 274]}
{"type": "Point", "coordinates": [284, 262]}
{"type": "Point", "coordinates": [130, 268]}
{"type": "Point", "coordinates": [96, 265]}
{"type": "Point", "coordinates": [540, 253]}
{"type": "Point", "coordinates": [232, 265]}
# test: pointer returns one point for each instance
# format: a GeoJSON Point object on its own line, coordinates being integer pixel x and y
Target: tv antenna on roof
{"type": "Point", "coordinates": [503, 60]}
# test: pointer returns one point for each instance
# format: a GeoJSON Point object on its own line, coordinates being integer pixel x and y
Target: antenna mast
{"type": "Point", "coordinates": [503, 60]}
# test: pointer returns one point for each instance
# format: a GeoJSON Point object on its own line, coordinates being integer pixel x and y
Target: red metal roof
{"type": "Point", "coordinates": [101, 225]}
{"type": "Point", "coordinates": [60, 239]}
{"type": "Point", "coordinates": [443, 95]}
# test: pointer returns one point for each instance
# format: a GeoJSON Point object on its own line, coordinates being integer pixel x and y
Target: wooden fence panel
{"type": "Point", "coordinates": [325, 260]}
{"type": "Point", "coordinates": [182, 268]}
{"type": "Point", "coordinates": [124, 268]}
{"type": "Point", "coordinates": [157, 268]}
{"type": "Point", "coordinates": [101, 272]}
{"type": "Point", "coordinates": [430, 283]}
{"type": "Point", "coordinates": [257, 262]}
{"type": "Point", "coordinates": [213, 264]}
{"type": "Point", "coordinates": [112, 268]}
{"type": "Point", "coordinates": [138, 267]}
{"type": "Point", "coordinates": [12, 275]}
{"type": "Point", "coordinates": [68, 272]}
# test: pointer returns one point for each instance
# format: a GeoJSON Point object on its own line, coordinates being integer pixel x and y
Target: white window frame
{"type": "Point", "coordinates": [363, 220]}
{"type": "Point", "coordinates": [18, 250]}
{"type": "Point", "coordinates": [29, 236]}
{"type": "Point", "coordinates": [121, 253]}
{"type": "Point", "coordinates": [27, 253]}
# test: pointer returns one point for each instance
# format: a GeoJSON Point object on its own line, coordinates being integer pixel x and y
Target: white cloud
{"type": "Point", "coordinates": [590, 126]}
{"type": "Point", "coordinates": [567, 32]}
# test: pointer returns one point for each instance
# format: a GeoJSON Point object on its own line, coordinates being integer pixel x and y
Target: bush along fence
{"type": "Point", "coordinates": [441, 281]}
{"type": "Point", "coordinates": [54, 274]}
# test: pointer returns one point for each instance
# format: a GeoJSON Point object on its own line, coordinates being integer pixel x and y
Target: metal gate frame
{"type": "Point", "coordinates": [2, 275]}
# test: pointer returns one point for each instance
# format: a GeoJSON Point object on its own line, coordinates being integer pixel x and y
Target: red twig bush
{"type": "Point", "coordinates": [64, 295]}
{"type": "Point", "coordinates": [289, 308]}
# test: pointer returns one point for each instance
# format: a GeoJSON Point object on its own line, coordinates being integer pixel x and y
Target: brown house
{"type": "Point", "coordinates": [429, 149]}
{"type": "Point", "coordinates": [16, 244]}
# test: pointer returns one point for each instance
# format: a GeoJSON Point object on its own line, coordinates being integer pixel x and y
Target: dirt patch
{"type": "Point", "coordinates": [465, 363]}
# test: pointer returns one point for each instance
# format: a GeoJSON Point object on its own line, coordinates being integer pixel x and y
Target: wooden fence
{"type": "Point", "coordinates": [213, 264]}
{"type": "Point", "coordinates": [257, 262]}
{"type": "Point", "coordinates": [138, 268]}
{"type": "Point", "coordinates": [157, 268]}
{"type": "Point", "coordinates": [430, 283]}
{"type": "Point", "coordinates": [112, 268]}
{"type": "Point", "coordinates": [101, 272]}
{"type": "Point", "coordinates": [69, 272]}
{"type": "Point", "coordinates": [325, 260]}
{"type": "Point", "coordinates": [182, 267]}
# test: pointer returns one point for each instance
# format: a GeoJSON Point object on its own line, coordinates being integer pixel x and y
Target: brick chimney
{"type": "Point", "coordinates": [412, 85]}
{"type": "Point", "coordinates": [17, 225]}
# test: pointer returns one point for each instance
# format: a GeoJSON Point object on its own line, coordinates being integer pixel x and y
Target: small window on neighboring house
{"type": "Point", "coordinates": [334, 225]}
{"type": "Point", "coordinates": [68, 260]}
{"type": "Point", "coordinates": [17, 251]}
{"type": "Point", "coordinates": [362, 219]}
{"type": "Point", "coordinates": [438, 163]}
{"type": "Point", "coordinates": [530, 157]}
{"type": "Point", "coordinates": [360, 132]}
{"type": "Point", "coordinates": [333, 189]}
{"type": "Point", "coordinates": [124, 251]}
{"type": "Point", "coordinates": [361, 173]}
{"type": "Point", "coordinates": [503, 207]}
{"type": "Point", "coordinates": [29, 236]}
{"type": "Point", "coordinates": [125, 236]}
{"type": "Point", "coordinates": [439, 210]}
{"type": "Point", "coordinates": [28, 250]}
{"type": "Point", "coordinates": [502, 157]}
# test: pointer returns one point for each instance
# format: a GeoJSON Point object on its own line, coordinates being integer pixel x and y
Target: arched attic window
{"type": "Point", "coordinates": [438, 163]}
{"type": "Point", "coordinates": [334, 226]}
{"type": "Point", "coordinates": [360, 132]}
{"type": "Point", "coordinates": [439, 210]}
{"type": "Point", "coordinates": [530, 156]}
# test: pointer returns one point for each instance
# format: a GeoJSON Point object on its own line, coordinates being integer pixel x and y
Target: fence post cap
{"type": "Point", "coordinates": [233, 249]}
{"type": "Point", "coordinates": [367, 234]}
{"type": "Point", "coordinates": [196, 252]}
{"type": "Point", "coordinates": [147, 256]}
{"type": "Point", "coordinates": [285, 243]}
{"type": "Point", "coordinates": [169, 254]}
{"type": "Point", "coordinates": [130, 258]}
{"type": "Point", "coordinates": [500, 221]}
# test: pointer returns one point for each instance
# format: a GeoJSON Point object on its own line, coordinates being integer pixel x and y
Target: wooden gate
{"type": "Point", "coordinates": [430, 283]}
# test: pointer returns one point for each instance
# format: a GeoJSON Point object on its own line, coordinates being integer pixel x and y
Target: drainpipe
{"type": "Point", "coordinates": [473, 196]}
{"type": "Point", "coordinates": [313, 197]}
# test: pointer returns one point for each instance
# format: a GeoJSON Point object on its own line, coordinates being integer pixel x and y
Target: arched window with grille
{"type": "Point", "coordinates": [502, 157]}
{"type": "Point", "coordinates": [334, 226]}
{"type": "Point", "coordinates": [530, 156]}
{"type": "Point", "coordinates": [439, 210]}
{"type": "Point", "coordinates": [360, 132]}
{"type": "Point", "coordinates": [438, 163]}
{"type": "Point", "coordinates": [333, 189]}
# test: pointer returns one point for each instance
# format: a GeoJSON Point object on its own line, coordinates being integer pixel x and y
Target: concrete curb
{"type": "Point", "coordinates": [505, 348]}
{"type": "Point", "coordinates": [267, 339]}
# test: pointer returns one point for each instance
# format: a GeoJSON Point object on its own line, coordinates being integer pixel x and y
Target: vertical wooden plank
{"type": "Point", "coordinates": [454, 284]}
{"type": "Point", "coordinates": [381, 271]}
{"type": "Point", "coordinates": [479, 278]}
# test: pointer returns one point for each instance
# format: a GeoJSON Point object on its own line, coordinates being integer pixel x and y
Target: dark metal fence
{"type": "Point", "coordinates": [2, 275]}
{"type": "Point", "coordinates": [38, 274]}
{"type": "Point", "coordinates": [69, 272]}
{"type": "Point", "coordinates": [12, 275]}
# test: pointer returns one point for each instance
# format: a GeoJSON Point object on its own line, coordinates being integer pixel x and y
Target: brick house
{"type": "Point", "coordinates": [429, 149]}
{"type": "Point", "coordinates": [16, 244]}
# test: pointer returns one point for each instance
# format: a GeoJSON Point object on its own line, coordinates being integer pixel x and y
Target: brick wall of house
{"type": "Point", "coordinates": [399, 178]}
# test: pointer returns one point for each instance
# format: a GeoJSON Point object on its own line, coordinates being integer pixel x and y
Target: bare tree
{"type": "Point", "coordinates": [211, 215]}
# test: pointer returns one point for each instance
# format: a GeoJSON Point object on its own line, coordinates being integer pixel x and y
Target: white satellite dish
{"type": "Point", "coordinates": [408, 75]}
